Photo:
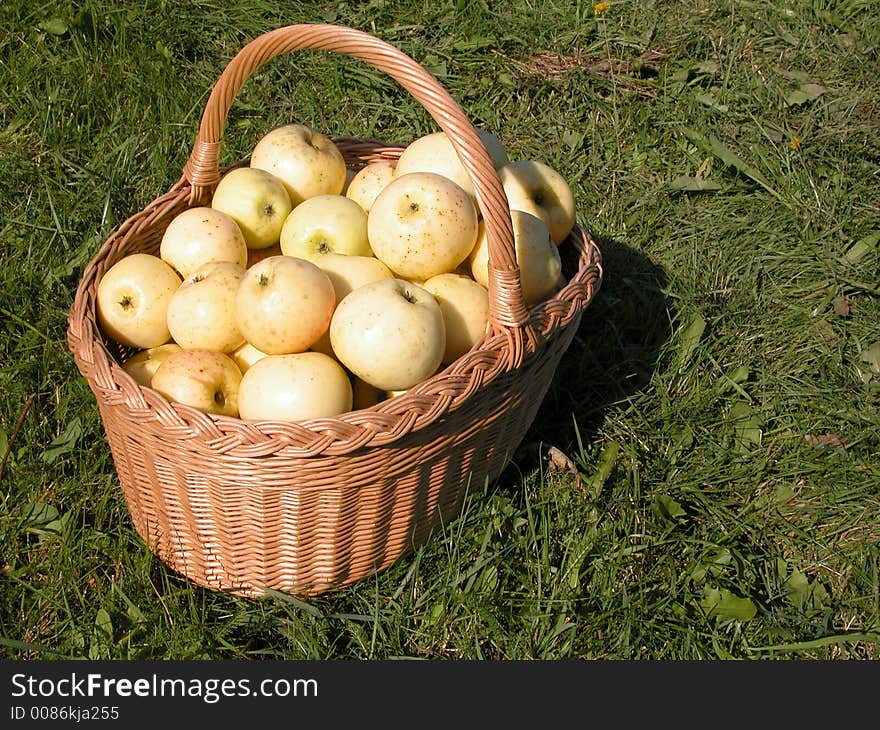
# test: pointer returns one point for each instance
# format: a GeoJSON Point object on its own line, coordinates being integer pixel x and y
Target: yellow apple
{"type": "Point", "coordinates": [255, 255]}
{"type": "Point", "coordinates": [143, 365]}
{"type": "Point", "coordinates": [294, 387]}
{"type": "Point", "coordinates": [347, 273]}
{"type": "Point", "coordinates": [201, 314]}
{"type": "Point", "coordinates": [325, 224]}
{"type": "Point", "coordinates": [132, 300]}
{"type": "Point", "coordinates": [349, 176]}
{"type": "Point", "coordinates": [199, 236]}
{"type": "Point", "coordinates": [422, 224]}
{"type": "Point", "coordinates": [536, 188]}
{"type": "Point", "coordinates": [257, 201]}
{"type": "Point", "coordinates": [284, 304]}
{"type": "Point", "coordinates": [389, 333]}
{"type": "Point", "coordinates": [306, 161]}
{"type": "Point", "coordinates": [203, 379]}
{"type": "Point", "coordinates": [540, 266]}
{"type": "Point", "coordinates": [465, 307]}
{"type": "Point", "coordinates": [394, 393]}
{"type": "Point", "coordinates": [365, 395]}
{"type": "Point", "coordinates": [246, 355]}
{"type": "Point", "coordinates": [369, 181]}
{"type": "Point", "coordinates": [435, 153]}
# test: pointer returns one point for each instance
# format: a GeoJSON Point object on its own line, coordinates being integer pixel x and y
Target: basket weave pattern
{"type": "Point", "coordinates": [313, 505]}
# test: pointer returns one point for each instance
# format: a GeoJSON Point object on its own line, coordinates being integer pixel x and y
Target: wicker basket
{"type": "Point", "coordinates": [304, 507]}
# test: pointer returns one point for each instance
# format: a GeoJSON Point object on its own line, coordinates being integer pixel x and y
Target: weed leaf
{"type": "Point", "coordinates": [710, 101]}
{"type": "Point", "coordinates": [64, 442]}
{"type": "Point", "coordinates": [804, 93]}
{"type": "Point", "coordinates": [862, 247]}
{"type": "Point", "coordinates": [54, 26]}
{"type": "Point", "coordinates": [690, 340]}
{"type": "Point", "coordinates": [716, 147]}
{"type": "Point", "coordinates": [687, 184]}
{"type": "Point", "coordinates": [872, 356]}
{"type": "Point", "coordinates": [667, 508]}
{"type": "Point", "coordinates": [607, 460]}
{"type": "Point", "coordinates": [721, 604]}
{"type": "Point", "coordinates": [746, 425]}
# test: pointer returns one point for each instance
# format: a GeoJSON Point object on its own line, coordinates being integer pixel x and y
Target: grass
{"type": "Point", "coordinates": [719, 405]}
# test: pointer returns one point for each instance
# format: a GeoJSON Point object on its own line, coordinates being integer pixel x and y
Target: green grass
{"type": "Point", "coordinates": [720, 403]}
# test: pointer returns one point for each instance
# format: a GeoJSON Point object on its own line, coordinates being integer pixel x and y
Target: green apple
{"type": "Point", "coordinates": [306, 161]}
{"type": "Point", "coordinates": [132, 300]}
{"type": "Point", "coordinates": [257, 201]}
{"type": "Point", "coordinates": [325, 224]}
{"type": "Point", "coordinates": [422, 224]}
{"type": "Point", "coordinates": [294, 387]}
{"type": "Point", "coordinates": [199, 236]}
{"type": "Point", "coordinates": [389, 333]}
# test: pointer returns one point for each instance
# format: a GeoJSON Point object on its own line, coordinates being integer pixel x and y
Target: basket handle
{"type": "Point", "coordinates": [507, 309]}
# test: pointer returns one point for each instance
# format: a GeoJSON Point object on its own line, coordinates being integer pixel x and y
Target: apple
{"type": "Point", "coordinates": [347, 273]}
{"type": "Point", "coordinates": [394, 393]}
{"type": "Point", "coordinates": [422, 224]}
{"type": "Point", "coordinates": [257, 201]}
{"type": "Point", "coordinates": [255, 255]}
{"type": "Point", "coordinates": [536, 188]}
{"type": "Point", "coordinates": [365, 395]}
{"type": "Point", "coordinates": [389, 333]}
{"type": "Point", "coordinates": [293, 387]}
{"type": "Point", "coordinates": [204, 379]}
{"type": "Point", "coordinates": [143, 365]}
{"type": "Point", "coordinates": [465, 307]}
{"type": "Point", "coordinates": [435, 153]}
{"type": "Point", "coordinates": [325, 224]}
{"type": "Point", "coordinates": [537, 256]}
{"type": "Point", "coordinates": [246, 355]}
{"type": "Point", "coordinates": [132, 300]}
{"type": "Point", "coordinates": [349, 176]}
{"type": "Point", "coordinates": [306, 161]}
{"type": "Point", "coordinates": [369, 181]}
{"type": "Point", "coordinates": [200, 235]}
{"type": "Point", "coordinates": [284, 304]}
{"type": "Point", "coordinates": [201, 313]}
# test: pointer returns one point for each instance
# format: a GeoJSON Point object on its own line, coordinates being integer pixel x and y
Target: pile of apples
{"type": "Point", "coordinates": [306, 289]}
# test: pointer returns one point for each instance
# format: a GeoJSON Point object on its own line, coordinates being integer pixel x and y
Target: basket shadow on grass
{"type": "Point", "coordinates": [613, 356]}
